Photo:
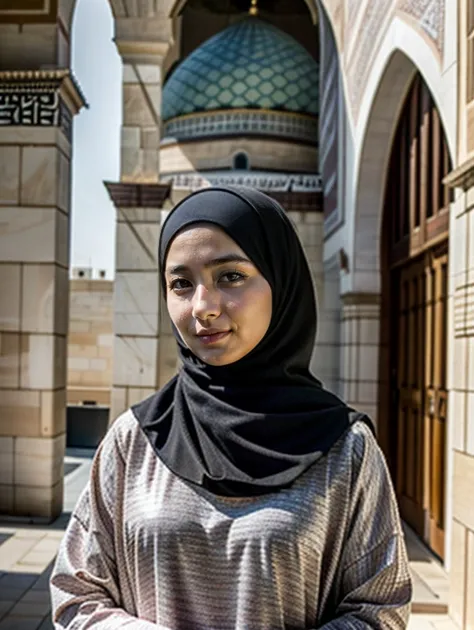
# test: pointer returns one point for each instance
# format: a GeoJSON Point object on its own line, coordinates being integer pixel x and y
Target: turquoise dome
{"type": "Point", "coordinates": [250, 64]}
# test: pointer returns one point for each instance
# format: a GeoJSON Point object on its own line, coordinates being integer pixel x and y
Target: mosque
{"type": "Point", "coordinates": [358, 117]}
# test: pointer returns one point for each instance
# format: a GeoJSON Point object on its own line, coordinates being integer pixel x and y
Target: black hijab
{"type": "Point", "coordinates": [255, 425]}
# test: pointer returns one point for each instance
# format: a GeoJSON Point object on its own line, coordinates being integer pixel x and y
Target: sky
{"type": "Point", "coordinates": [96, 136]}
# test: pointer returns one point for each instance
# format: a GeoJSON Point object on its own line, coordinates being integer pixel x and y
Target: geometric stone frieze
{"type": "Point", "coordinates": [295, 126]}
{"type": "Point", "coordinates": [42, 98]}
{"type": "Point", "coordinates": [263, 180]}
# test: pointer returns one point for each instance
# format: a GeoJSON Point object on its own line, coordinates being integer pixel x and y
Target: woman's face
{"type": "Point", "coordinates": [219, 302]}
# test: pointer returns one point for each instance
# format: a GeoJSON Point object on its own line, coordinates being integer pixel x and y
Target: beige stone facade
{"type": "Point", "coordinates": [270, 155]}
{"type": "Point", "coordinates": [90, 342]}
{"type": "Point", "coordinates": [34, 260]}
{"type": "Point", "coordinates": [370, 53]}
{"type": "Point", "coordinates": [462, 335]}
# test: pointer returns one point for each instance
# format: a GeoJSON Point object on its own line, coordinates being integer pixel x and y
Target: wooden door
{"type": "Point", "coordinates": [420, 336]}
{"type": "Point", "coordinates": [416, 231]}
{"type": "Point", "coordinates": [409, 333]}
{"type": "Point", "coordinates": [435, 407]}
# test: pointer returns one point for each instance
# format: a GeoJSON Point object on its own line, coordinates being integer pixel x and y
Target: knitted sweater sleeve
{"type": "Point", "coordinates": [374, 588]}
{"type": "Point", "coordinates": [85, 588]}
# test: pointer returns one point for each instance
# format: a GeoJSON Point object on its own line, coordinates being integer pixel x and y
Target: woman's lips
{"type": "Point", "coordinates": [212, 337]}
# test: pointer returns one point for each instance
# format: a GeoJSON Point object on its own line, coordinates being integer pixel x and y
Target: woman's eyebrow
{"type": "Point", "coordinates": [215, 262]}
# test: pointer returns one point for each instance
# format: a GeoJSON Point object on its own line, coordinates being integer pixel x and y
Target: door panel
{"type": "Point", "coordinates": [410, 394]}
{"type": "Point", "coordinates": [421, 310]}
{"type": "Point", "coordinates": [415, 237]}
{"type": "Point", "coordinates": [436, 395]}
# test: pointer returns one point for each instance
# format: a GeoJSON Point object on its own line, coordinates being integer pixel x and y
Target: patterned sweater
{"type": "Point", "coordinates": [144, 549]}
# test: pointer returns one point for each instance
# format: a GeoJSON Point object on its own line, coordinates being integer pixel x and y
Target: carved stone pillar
{"type": "Point", "coordinates": [36, 108]}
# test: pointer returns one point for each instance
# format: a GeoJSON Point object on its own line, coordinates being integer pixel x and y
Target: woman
{"type": "Point", "coordinates": [242, 495]}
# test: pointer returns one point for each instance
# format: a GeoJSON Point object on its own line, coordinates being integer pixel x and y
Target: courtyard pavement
{"type": "Point", "coordinates": [27, 554]}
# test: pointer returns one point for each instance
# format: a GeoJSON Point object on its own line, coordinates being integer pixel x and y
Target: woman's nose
{"type": "Point", "coordinates": [206, 303]}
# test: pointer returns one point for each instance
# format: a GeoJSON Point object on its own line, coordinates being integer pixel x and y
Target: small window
{"type": "Point", "coordinates": [81, 274]}
{"type": "Point", "coordinates": [241, 161]}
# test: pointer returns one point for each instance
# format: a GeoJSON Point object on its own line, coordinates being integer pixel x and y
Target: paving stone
{"type": "Point", "coordinates": [47, 624]}
{"type": "Point", "coordinates": [428, 622]}
{"type": "Point", "coordinates": [29, 609]}
{"type": "Point", "coordinates": [30, 534]}
{"type": "Point", "coordinates": [35, 597]}
{"type": "Point", "coordinates": [5, 606]}
{"type": "Point", "coordinates": [20, 623]}
{"type": "Point", "coordinates": [48, 544]}
{"type": "Point", "coordinates": [13, 550]}
{"type": "Point", "coordinates": [11, 594]}
{"type": "Point", "coordinates": [42, 583]}
{"type": "Point", "coordinates": [38, 559]}
{"type": "Point", "coordinates": [55, 535]}
{"type": "Point", "coordinates": [17, 581]}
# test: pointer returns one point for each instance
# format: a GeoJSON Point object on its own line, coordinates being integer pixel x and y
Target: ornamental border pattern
{"type": "Point", "coordinates": [38, 105]}
{"type": "Point", "coordinates": [428, 15]}
{"type": "Point", "coordinates": [230, 123]}
{"type": "Point", "coordinates": [268, 182]}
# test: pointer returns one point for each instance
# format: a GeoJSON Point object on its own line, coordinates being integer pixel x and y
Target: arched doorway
{"type": "Point", "coordinates": [414, 313]}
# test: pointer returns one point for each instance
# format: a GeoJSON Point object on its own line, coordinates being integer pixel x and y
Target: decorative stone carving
{"type": "Point", "coordinates": [39, 98]}
{"type": "Point", "coordinates": [429, 15]}
{"type": "Point", "coordinates": [268, 182]}
{"type": "Point", "coordinates": [29, 109]}
{"type": "Point", "coordinates": [361, 27]}
{"type": "Point", "coordinates": [244, 122]}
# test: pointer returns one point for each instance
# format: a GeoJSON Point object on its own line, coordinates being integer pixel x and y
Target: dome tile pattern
{"type": "Point", "coordinates": [251, 64]}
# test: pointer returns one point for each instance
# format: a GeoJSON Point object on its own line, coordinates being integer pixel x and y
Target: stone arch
{"type": "Point", "coordinates": [404, 53]}
{"type": "Point", "coordinates": [175, 6]}
{"type": "Point", "coordinates": [66, 9]}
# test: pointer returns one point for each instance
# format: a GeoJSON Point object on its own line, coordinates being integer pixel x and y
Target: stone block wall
{"type": "Point", "coordinates": [359, 358]}
{"type": "Point", "coordinates": [34, 261]}
{"type": "Point", "coordinates": [324, 363]}
{"type": "Point", "coordinates": [278, 155]}
{"type": "Point", "coordinates": [461, 408]}
{"type": "Point", "coordinates": [90, 342]}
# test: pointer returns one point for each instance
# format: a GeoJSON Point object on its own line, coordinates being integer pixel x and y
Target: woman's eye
{"type": "Point", "coordinates": [232, 277]}
{"type": "Point", "coordinates": [180, 284]}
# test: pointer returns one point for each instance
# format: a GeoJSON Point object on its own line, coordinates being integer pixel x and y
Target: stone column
{"type": "Point", "coordinates": [310, 227]}
{"type": "Point", "coordinates": [36, 108]}
{"type": "Point", "coordinates": [310, 230]}
{"type": "Point", "coordinates": [329, 327]}
{"type": "Point", "coordinates": [461, 397]}
{"type": "Point", "coordinates": [360, 351]}
{"type": "Point", "coordinates": [143, 44]}
{"type": "Point", "coordinates": [137, 313]}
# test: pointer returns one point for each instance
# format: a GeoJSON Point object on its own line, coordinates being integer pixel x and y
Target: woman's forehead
{"type": "Point", "coordinates": [200, 241]}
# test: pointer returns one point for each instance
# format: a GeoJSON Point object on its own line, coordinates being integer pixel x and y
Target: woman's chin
{"type": "Point", "coordinates": [216, 359]}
